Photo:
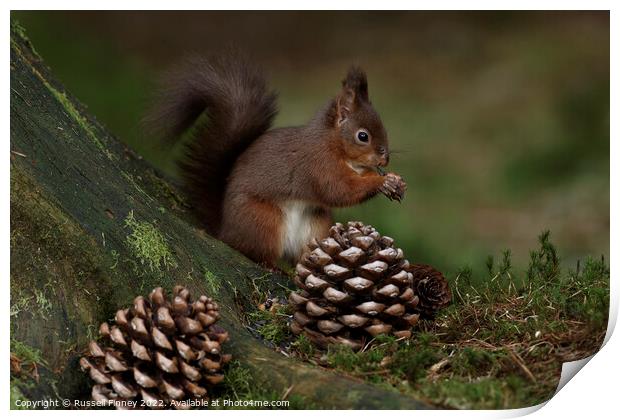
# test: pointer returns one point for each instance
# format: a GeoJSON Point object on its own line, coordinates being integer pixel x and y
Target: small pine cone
{"type": "Point", "coordinates": [354, 285]}
{"type": "Point", "coordinates": [432, 288]}
{"type": "Point", "coordinates": [157, 351]}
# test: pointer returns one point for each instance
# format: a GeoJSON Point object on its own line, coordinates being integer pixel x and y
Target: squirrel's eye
{"type": "Point", "coordinates": [363, 136]}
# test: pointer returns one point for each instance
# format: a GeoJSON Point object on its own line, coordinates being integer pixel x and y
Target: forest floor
{"type": "Point", "coordinates": [500, 344]}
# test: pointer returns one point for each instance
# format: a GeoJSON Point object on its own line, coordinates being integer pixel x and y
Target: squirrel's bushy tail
{"type": "Point", "coordinates": [238, 106]}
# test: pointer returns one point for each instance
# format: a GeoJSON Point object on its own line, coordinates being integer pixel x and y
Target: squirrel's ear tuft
{"type": "Point", "coordinates": [357, 82]}
{"type": "Point", "coordinates": [354, 91]}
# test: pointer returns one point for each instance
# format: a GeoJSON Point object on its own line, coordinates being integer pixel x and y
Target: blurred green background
{"type": "Point", "coordinates": [499, 121]}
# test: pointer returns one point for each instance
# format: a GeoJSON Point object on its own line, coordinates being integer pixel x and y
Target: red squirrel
{"type": "Point", "coordinates": [267, 192]}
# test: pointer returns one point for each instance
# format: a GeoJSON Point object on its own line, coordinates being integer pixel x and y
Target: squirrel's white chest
{"type": "Point", "coordinates": [299, 227]}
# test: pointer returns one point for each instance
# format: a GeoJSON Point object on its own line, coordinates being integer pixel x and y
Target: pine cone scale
{"type": "Point", "coordinates": [160, 350]}
{"type": "Point", "coordinates": [355, 284]}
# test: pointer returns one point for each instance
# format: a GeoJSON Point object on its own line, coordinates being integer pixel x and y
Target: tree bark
{"type": "Point", "coordinates": [93, 226]}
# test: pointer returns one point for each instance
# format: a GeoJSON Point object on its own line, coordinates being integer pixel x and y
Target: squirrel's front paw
{"type": "Point", "coordinates": [393, 187]}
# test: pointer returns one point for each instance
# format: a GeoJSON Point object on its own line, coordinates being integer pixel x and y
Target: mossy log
{"type": "Point", "coordinates": [93, 226]}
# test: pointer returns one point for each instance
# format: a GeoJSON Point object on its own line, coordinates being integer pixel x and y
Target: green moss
{"type": "Point", "coordinates": [20, 31]}
{"type": "Point", "coordinates": [239, 381]}
{"type": "Point", "coordinates": [15, 395]}
{"type": "Point", "coordinates": [44, 306]}
{"type": "Point", "coordinates": [26, 353]}
{"type": "Point", "coordinates": [148, 245]}
{"type": "Point", "coordinates": [413, 361]}
{"type": "Point", "coordinates": [241, 385]}
{"type": "Point", "coordinates": [303, 347]}
{"type": "Point", "coordinates": [589, 297]}
{"type": "Point", "coordinates": [22, 303]}
{"type": "Point", "coordinates": [342, 357]}
{"type": "Point", "coordinates": [74, 113]}
{"type": "Point", "coordinates": [473, 362]}
{"type": "Point", "coordinates": [482, 393]}
{"type": "Point", "coordinates": [272, 332]}
{"type": "Point", "coordinates": [211, 283]}
{"type": "Point", "coordinates": [77, 117]}
{"type": "Point", "coordinates": [272, 325]}
{"type": "Point", "coordinates": [29, 359]}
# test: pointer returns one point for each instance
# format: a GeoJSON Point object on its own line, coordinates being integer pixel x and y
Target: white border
{"type": "Point", "coordinates": [591, 394]}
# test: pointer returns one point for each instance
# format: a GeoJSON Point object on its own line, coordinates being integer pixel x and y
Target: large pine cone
{"type": "Point", "coordinates": [158, 351]}
{"type": "Point", "coordinates": [431, 287]}
{"type": "Point", "coordinates": [355, 285]}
